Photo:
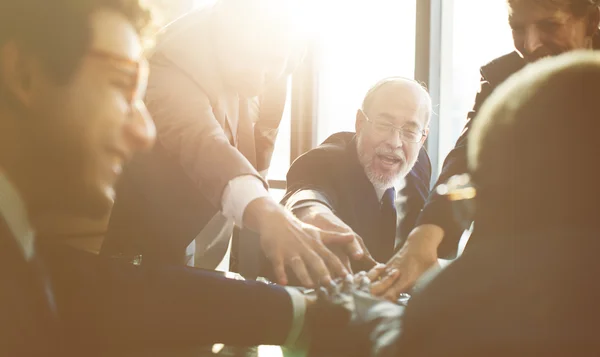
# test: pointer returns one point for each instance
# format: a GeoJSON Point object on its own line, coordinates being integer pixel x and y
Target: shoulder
{"type": "Point", "coordinates": [499, 69]}
{"type": "Point", "coordinates": [332, 149]}
{"type": "Point", "coordinates": [325, 159]}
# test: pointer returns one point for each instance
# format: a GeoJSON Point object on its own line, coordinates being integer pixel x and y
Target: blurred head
{"type": "Point", "coordinates": [543, 28]}
{"type": "Point", "coordinates": [391, 127]}
{"type": "Point", "coordinates": [72, 79]}
{"type": "Point", "coordinates": [533, 149]}
{"type": "Point", "coordinates": [257, 39]}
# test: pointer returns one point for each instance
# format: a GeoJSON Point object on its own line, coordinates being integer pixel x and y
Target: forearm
{"type": "Point", "coordinates": [438, 210]}
{"type": "Point", "coordinates": [178, 306]}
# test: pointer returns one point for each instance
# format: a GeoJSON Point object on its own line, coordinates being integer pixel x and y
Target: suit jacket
{"type": "Point", "coordinates": [166, 197]}
{"type": "Point", "coordinates": [438, 210]}
{"type": "Point", "coordinates": [28, 321]}
{"type": "Point", "coordinates": [332, 175]}
{"type": "Point", "coordinates": [511, 295]}
{"type": "Point", "coordinates": [109, 305]}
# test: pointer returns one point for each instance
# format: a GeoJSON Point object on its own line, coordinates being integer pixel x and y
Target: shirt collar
{"type": "Point", "coordinates": [12, 208]}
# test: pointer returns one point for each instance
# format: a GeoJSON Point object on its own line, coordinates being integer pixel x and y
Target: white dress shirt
{"type": "Point", "coordinates": [12, 209]}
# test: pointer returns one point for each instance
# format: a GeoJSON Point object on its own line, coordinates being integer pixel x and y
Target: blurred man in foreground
{"type": "Point", "coordinates": [527, 288]}
{"type": "Point", "coordinates": [71, 81]}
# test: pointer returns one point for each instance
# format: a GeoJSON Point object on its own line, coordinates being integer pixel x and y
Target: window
{"type": "Point", "coordinates": [360, 43]}
{"type": "Point", "coordinates": [280, 162]}
{"type": "Point", "coordinates": [473, 34]}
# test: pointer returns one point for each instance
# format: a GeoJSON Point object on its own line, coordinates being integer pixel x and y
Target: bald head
{"type": "Point", "coordinates": [404, 91]}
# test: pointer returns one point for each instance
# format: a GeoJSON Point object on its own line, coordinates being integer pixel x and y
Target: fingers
{"type": "Point", "coordinates": [402, 285]}
{"type": "Point", "coordinates": [317, 267]}
{"type": "Point", "coordinates": [278, 267]}
{"type": "Point", "coordinates": [354, 249]}
{"type": "Point", "coordinates": [367, 258]}
{"type": "Point", "coordinates": [301, 272]}
{"type": "Point", "coordinates": [377, 271]}
{"type": "Point", "coordinates": [333, 263]}
{"type": "Point", "coordinates": [362, 281]}
{"type": "Point", "coordinates": [382, 286]}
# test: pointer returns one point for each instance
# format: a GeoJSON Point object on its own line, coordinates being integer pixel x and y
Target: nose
{"type": "Point", "coordinates": [533, 39]}
{"type": "Point", "coordinates": [394, 139]}
{"type": "Point", "coordinates": [140, 132]}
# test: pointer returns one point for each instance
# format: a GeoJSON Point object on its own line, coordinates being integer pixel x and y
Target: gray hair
{"type": "Point", "coordinates": [370, 95]}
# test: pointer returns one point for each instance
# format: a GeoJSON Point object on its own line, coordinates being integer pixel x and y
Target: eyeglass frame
{"type": "Point", "coordinates": [140, 79]}
{"type": "Point", "coordinates": [394, 129]}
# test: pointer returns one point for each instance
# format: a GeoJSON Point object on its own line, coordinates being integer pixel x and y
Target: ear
{"type": "Point", "coordinates": [17, 73]}
{"type": "Point", "coordinates": [593, 21]}
{"type": "Point", "coordinates": [360, 119]}
{"type": "Point", "coordinates": [425, 135]}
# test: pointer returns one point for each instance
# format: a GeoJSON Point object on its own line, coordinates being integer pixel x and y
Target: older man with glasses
{"type": "Point", "coordinates": [353, 182]}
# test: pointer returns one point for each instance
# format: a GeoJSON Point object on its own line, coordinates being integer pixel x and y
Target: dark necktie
{"type": "Point", "coordinates": [388, 221]}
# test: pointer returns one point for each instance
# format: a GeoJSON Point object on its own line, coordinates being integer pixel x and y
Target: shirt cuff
{"type": "Point", "coordinates": [299, 311]}
{"type": "Point", "coordinates": [239, 192]}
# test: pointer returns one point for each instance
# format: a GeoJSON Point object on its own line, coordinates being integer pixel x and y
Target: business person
{"type": "Point", "coordinates": [70, 115]}
{"type": "Point", "coordinates": [70, 120]}
{"type": "Point", "coordinates": [539, 29]}
{"type": "Point", "coordinates": [524, 288]}
{"type": "Point", "coordinates": [215, 133]}
{"type": "Point", "coordinates": [373, 182]}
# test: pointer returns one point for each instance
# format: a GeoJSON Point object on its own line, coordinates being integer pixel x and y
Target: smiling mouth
{"type": "Point", "coordinates": [389, 159]}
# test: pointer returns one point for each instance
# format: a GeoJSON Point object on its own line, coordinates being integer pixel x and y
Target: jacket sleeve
{"type": "Point", "coordinates": [188, 130]}
{"type": "Point", "coordinates": [310, 181]}
{"type": "Point", "coordinates": [112, 304]}
{"type": "Point", "coordinates": [438, 210]}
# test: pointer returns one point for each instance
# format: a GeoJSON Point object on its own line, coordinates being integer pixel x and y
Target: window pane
{"type": "Point", "coordinates": [474, 33]}
{"type": "Point", "coordinates": [280, 162]}
{"type": "Point", "coordinates": [367, 41]}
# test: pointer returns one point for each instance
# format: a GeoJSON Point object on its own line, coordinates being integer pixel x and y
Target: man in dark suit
{"type": "Point", "coordinates": [527, 288]}
{"type": "Point", "coordinates": [540, 29]}
{"type": "Point", "coordinates": [351, 182]}
{"type": "Point", "coordinates": [215, 135]}
{"type": "Point", "coordinates": [70, 114]}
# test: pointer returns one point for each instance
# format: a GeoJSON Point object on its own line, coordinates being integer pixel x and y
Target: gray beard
{"type": "Point", "coordinates": [379, 181]}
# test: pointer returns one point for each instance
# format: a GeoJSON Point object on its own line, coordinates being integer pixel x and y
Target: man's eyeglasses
{"type": "Point", "coordinates": [406, 135]}
{"type": "Point", "coordinates": [136, 70]}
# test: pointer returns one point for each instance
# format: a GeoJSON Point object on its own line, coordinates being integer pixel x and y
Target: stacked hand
{"type": "Point", "coordinates": [287, 241]}
{"type": "Point", "coordinates": [348, 321]}
{"type": "Point", "coordinates": [400, 274]}
{"type": "Point", "coordinates": [322, 217]}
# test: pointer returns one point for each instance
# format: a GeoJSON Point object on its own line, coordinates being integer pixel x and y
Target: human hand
{"type": "Point", "coordinates": [322, 217]}
{"type": "Point", "coordinates": [286, 241]}
{"type": "Point", "coordinates": [348, 321]}
{"type": "Point", "coordinates": [399, 275]}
